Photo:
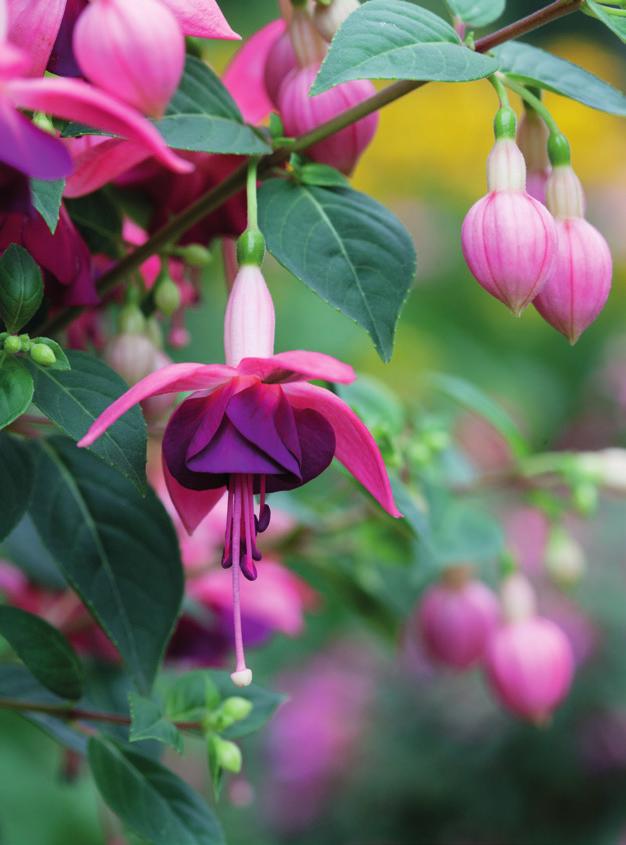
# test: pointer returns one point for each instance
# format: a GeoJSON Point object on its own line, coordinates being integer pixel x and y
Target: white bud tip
{"type": "Point", "coordinates": [242, 678]}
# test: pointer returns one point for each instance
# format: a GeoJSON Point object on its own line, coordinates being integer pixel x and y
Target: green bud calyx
{"type": "Point", "coordinates": [558, 150]}
{"type": "Point", "coordinates": [131, 320]}
{"type": "Point", "coordinates": [251, 247]}
{"type": "Point", "coordinates": [505, 123]}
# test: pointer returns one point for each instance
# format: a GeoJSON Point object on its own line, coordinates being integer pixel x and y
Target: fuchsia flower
{"type": "Point", "coordinates": [580, 281]}
{"type": "Point", "coordinates": [528, 660]}
{"type": "Point", "coordinates": [456, 616]}
{"type": "Point", "coordinates": [38, 154]}
{"type": "Point", "coordinates": [252, 426]}
{"type": "Point", "coordinates": [508, 237]}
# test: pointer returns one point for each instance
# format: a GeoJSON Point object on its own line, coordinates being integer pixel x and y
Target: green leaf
{"type": "Point", "coordinates": [264, 704]}
{"type": "Point", "coordinates": [151, 800]}
{"type": "Point", "coordinates": [16, 389]}
{"type": "Point", "coordinates": [611, 17]}
{"type": "Point", "coordinates": [394, 39]}
{"type": "Point", "coordinates": [148, 722]}
{"type": "Point", "coordinates": [471, 397]}
{"type": "Point", "coordinates": [190, 696]}
{"type": "Point", "coordinates": [477, 12]}
{"type": "Point", "coordinates": [346, 247]}
{"type": "Point", "coordinates": [464, 533]}
{"type": "Point", "coordinates": [44, 651]}
{"type": "Point", "coordinates": [323, 175]}
{"type": "Point", "coordinates": [202, 116]}
{"type": "Point", "coordinates": [74, 398]}
{"type": "Point", "coordinates": [47, 197]}
{"type": "Point", "coordinates": [21, 288]}
{"type": "Point", "coordinates": [17, 473]}
{"type": "Point", "coordinates": [119, 551]}
{"type": "Point", "coordinates": [537, 67]}
{"type": "Point", "coordinates": [99, 221]}
{"type": "Point", "coordinates": [24, 548]}
{"type": "Point", "coordinates": [377, 405]}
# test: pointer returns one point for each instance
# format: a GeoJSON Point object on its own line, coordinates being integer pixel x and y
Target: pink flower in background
{"type": "Point", "coordinates": [532, 139]}
{"type": "Point", "coordinates": [526, 532]}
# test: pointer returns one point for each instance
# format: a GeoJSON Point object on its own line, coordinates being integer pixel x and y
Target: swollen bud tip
{"type": "Point", "coordinates": [505, 123]}
{"type": "Point", "coordinates": [241, 678]}
{"type": "Point", "coordinates": [42, 355]}
{"type": "Point", "coordinates": [251, 247]}
{"type": "Point", "coordinates": [558, 150]}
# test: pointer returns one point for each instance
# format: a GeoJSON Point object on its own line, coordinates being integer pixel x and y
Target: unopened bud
{"type": "Point", "coordinates": [227, 754]}
{"type": "Point", "coordinates": [565, 558]}
{"type": "Point", "coordinates": [235, 709]}
{"type": "Point", "coordinates": [167, 296]}
{"type": "Point", "coordinates": [195, 255]}
{"type": "Point", "coordinates": [133, 356]}
{"type": "Point", "coordinates": [131, 320]}
{"type": "Point", "coordinates": [518, 598]}
{"type": "Point", "coordinates": [606, 467]}
{"type": "Point", "coordinates": [12, 344]}
{"type": "Point", "coordinates": [42, 354]}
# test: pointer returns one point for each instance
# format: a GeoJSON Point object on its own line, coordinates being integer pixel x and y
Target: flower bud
{"type": "Point", "coordinates": [606, 467]}
{"type": "Point", "coordinates": [518, 598]}
{"type": "Point", "coordinates": [328, 17]}
{"type": "Point", "coordinates": [301, 113]}
{"type": "Point", "coordinates": [131, 320]}
{"type": "Point", "coordinates": [529, 666]}
{"type": "Point", "coordinates": [133, 356]}
{"type": "Point", "coordinates": [281, 59]}
{"type": "Point", "coordinates": [249, 319]}
{"type": "Point", "coordinates": [565, 558]}
{"type": "Point", "coordinates": [532, 139]}
{"type": "Point", "coordinates": [508, 238]}
{"type": "Point", "coordinates": [227, 754]}
{"type": "Point", "coordinates": [235, 709]}
{"type": "Point", "coordinates": [456, 617]}
{"type": "Point", "coordinates": [195, 255]}
{"type": "Point", "coordinates": [12, 344]}
{"type": "Point", "coordinates": [135, 51]}
{"type": "Point", "coordinates": [167, 296]}
{"type": "Point", "coordinates": [42, 354]}
{"type": "Point", "coordinates": [580, 279]}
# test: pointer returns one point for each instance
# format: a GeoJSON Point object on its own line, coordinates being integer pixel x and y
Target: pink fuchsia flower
{"type": "Point", "coordinates": [281, 60]}
{"type": "Point", "coordinates": [532, 139]}
{"type": "Point", "coordinates": [135, 51]}
{"type": "Point", "coordinates": [580, 280]}
{"type": "Point", "coordinates": [329, 17]}
{"type": "Point", "coordinates": [42, 156]}
{"type": "Point", "coordinates": [34, 25]}
{"type": "Point", "coordinates": [252, 426]}
{"type": "Point", "coordinates": [456, 617]}
{"type": "Point", "coordinates": [508, 238]}
{"type": "Point", "coordinates": [528, 660]}
{"type": "Point", "coordinates": [63, 256]}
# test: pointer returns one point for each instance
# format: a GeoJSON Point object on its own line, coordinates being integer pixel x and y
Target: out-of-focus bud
{"type": "Point", "coordinates": [532, 139]}
{"type": "Point", "coordinates": [329, 16]}
{"type": "Point", "coordinates": [508, 237]}
{"type": "Point", "coordinates": [456, 617]}
{"type": "Point", "coordinates": [133, 356]}
{"type": "Point", "coordinates": [565, 558]}
{"type": "Point", "coordinates": [135, 51]}
{"type": "Point", "coordinates": [195, 255]}
{"type": "Point", "coordinates": [234, 709]}
{"type": "Point", "coordinates": [517, 597]}
{"type": "Point", "coordinates": [580, 279]}
{"type": "Point", "coordinates": [131, 320]}
{"type": "Point", "coordinates": [167, 295]}
{"type": "Point", "coordinates": [42, 354]}
{"type": "Point", "coordinates": [606, 467]}
{"type": "Point", "coordinates": [227, 754]}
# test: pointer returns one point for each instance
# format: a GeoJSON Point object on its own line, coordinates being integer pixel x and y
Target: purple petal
{"type": "Point", "coordinates": [28, 149]}
{"type": "Point", "coordinates": [62, 60]}
{"type": "Point", "coordinates": [214, 410]}
{"type": "Point", "coordinates": [230, 452]}
{"type": "Point", "coordinates": [317, 441]}
{"type": "Point", "coordinates": [181, 428]}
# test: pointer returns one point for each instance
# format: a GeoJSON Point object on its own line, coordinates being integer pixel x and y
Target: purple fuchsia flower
{"type": "Point", "coordinates": [40, 155]}
{"type": "Point", "coordinates": [253, 426]}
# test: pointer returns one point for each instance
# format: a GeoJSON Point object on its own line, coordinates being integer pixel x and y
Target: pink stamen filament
{"type": "Point", "coordinates": [236, 540]}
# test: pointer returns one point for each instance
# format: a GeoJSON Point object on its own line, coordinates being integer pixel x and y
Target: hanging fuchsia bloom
{"type": "Point", "coordinates": [529, 660]}
{"type": "Point", "coordinates": [508, 237]}
{"type": "Point", "coordinates": [456, 617]}
{"type": "Point", "coordinates": [253, 426]}
{"type": "Point", "coordinates": [135, 51]}
{"type": "Point", "coordinates": [41, 156]}
{"type": "Point", "coordinates": [281, 60]}
{"type": "Point", "coordinates": [301, 113]}
{"type": "Point", "coordinates": [580, 281]}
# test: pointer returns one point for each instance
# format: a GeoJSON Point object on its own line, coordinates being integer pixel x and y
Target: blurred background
{"type": "Point", "coordinates": [376, 746]}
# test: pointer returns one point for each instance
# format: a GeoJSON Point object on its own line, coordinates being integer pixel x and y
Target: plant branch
{"type": "Point", "coordinates": [217, 196]}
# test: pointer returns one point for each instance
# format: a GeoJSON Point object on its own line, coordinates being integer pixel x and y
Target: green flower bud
{"type": "Point", "coordinates": [235, 709]}
{"type": "Point", "coordinates": [42, 354]}
{"type": "Point", "coordinates": [25, 343]}
{"type": "Point", "coordinates": [251, 247]}
{"type": "Point", "coordinates": [195, 255]}
{"type": "Point", "coordinates": [227, 754]}
{"type": "Point", "coordinates": [12, 344]}
{"type": "Point", "coordinates": [131, 320]}
{"type": "Point", "coordinates": [167, 296]}
{"type": "Point", "coordinates": [505, 123]}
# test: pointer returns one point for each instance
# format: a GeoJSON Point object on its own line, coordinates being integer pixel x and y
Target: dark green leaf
{"type": "Point", "coordinates": [394, 39]}
{"type": "Point", "coordinates": [151, 800]}
{"type": "Point", "coordinates": [74, 398]}
{"type": "Point", "coordinates": [413, 511]}
{"type": "Point", "coordinates": [471, 397]}
{"type": "Point", "coordinates": [148, 722]}
{"type": "Point", "coordinates": [202, 116]}
{"type": "Point", "coordinates": [322, 175]}
{"type": "Point", "coordinates": [17, 473]}
{"type": "Point", "coordinates": [44, 651]}
{"type": "Point", "coordinates": [537, 67]}
{"type": "Point", "coordinates": [264, 704]}
{"type": "Point", "coordinates": [477, 12]}
{"type": "Point", "coordinates": [611, 17]}
{"type": "Point", "coordinates": [47, 197]}
{"type": "Point", "coordinates": [99, 221]}
{"type": "Point", "coordinates": [119, 551]}
{"type": "Point", "coordinates": [462, 533]}
{"type": "Point", "coordinates": [346, 247]}
{"type": "Point", "coordinates": [24, 548]}
{"type": "Point", "coordinates": [21, 288]}
{"type": "Point", "coordinates": [16, 389]}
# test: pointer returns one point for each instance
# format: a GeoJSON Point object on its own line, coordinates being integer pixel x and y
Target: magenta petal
{"type": "Point", "coordinates": [244, 75]}
{"type": "Point", "coordinates": [191, 505]}
{"type": "Point", "coordinates": [98, 161]}
{"type": "Point", "coordinates": [74, 99]}
{"type": "Point", "coordinates": [297, 365]}
{"type": "Point", "coordinates": [356, 448]}
{"type": "Point", "coordinates": [230, 453]}
{"type": "Point", "coordinates": [33, 26]}
{"type": "Point", "coordinates": [212, 416]}
{"type": "Point", "coordinates": [29, 149]}
{"type": "Point", "coordinates": [201, 19]}
{"type": "Point", "coordinates": [317, 444]}
{"type": "Point", "coordinates": [173, 379]}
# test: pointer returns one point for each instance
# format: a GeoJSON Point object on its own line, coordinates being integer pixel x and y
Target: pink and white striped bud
{"type": "Point", "coordinates": [580, 280]}
{"type": "Point", "coordinates": [456, 616]}
{"type": "Point", "coordinates": [301, 113]}
{"type": "Point", "coordinates": [135, 51]}
{"type": "Point", "coordinates": [328, 17]}
{"type": "Point", "coordinates": [528, 660]}
{"type": "Point", "coordinates": [532, 139]}
{"type": "Point", "coordinates": [281, 59]}
{"type": "Point", "coordinates": [249, 320]}
{"type": "Point", "coordinates": [133, 356]}
{"type": "Point", "coordinates": [508, 238]}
